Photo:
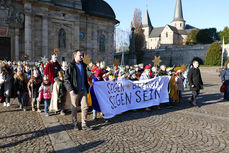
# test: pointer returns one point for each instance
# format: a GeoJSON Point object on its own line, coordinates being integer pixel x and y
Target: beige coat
{"type": "Point", "coordinates": [54, 100]}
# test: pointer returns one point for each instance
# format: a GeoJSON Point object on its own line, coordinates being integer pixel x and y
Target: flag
{"type": "Point", "coordinates": [223, 43]}
{"type": "Point", "coordinates": [222, 53]}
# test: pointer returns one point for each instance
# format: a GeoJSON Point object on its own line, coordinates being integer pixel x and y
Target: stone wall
{"type": "Point", "coordinates": [177, 55]}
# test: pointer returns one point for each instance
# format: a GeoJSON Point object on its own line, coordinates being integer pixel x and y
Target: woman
{"type": "Point", "coordinates": [225, 79]}
{"type": "Point", "coordinates": [33, 88]}
{"type": "Point", "coordinates": [20, 84]}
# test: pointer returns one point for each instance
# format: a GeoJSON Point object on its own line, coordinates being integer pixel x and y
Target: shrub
{"type": "Point", "coordinates": [213, 56]}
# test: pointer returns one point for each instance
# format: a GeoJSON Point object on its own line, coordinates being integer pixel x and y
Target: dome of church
{"type": "Point", "coordinates": [75, 4]}
{"type": "Point", "coordinates": [92, 7]}
{"type": "Point", "coordinates": [98, 8]}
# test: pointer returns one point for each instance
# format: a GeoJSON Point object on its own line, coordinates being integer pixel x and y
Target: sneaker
{"type": "Point", "coordinates": [62, 113]}
{"type": "Point", "coordinates": [8, 105]}
{"type": "Point", "coordinates": [24, 109]}
{"type": "Point", "coordinates": [85, 127]}
{"type": "Point", "coordinates": [4, 104]}
{"type": "Point", "coordinates": [20, 106]}
{"type": "Point", "coordinates": [38, 110]}
{"type": "Point", "coordinates": [46, 114]}
{"type": "Point", "coordinates": [33, 109]}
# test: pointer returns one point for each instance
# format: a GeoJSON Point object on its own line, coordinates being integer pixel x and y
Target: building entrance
{"type": "Point", "coordinates": [5, 53]}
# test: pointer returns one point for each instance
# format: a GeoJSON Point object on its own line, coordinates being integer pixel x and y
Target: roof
{"type": "Point", "coordinates": [98, 8]}
{"type": "Point", "coordinates": [92, 7]}
{"type": "Point", "coordinates": [178, 14]}
{"type": "Point", "coordinates": [74, 4]}
{"type": "Point", "coordinates": [146, 20]}
{"type": "Point", "coordinates": [156, 32]}
{"type": "Point", "coordinates": [187, 26]}
{"type": "Point", "coordinates": [174, 29]}
{"type": "Point", "coordinates": [182, 32]}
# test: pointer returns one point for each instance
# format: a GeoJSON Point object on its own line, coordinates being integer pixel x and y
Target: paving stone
{"type": "Point", "coordinates": [182, 128]}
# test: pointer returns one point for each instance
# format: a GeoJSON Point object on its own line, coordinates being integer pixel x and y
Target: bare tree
{"type": "Point", "coordinates": [139, 34]}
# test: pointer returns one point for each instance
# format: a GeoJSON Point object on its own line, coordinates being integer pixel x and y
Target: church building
{"type": "Point", "coordinates": [161, 37]}
{"type": "Point", "coordinates": [36, 27]}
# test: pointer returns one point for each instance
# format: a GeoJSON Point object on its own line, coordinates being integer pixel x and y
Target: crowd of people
{"type": "Point", "coordinates": [49, 83]}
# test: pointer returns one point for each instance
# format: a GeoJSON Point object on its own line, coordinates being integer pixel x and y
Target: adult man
{"type": "Point", "coordinates": [52, 68]}
{"type": "Point", "coordinates": [77, 84]}
{"type": "Point", "coordinates": [195, 81]}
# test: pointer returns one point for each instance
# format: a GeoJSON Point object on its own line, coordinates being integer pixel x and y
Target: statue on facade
{"type": "Point", "coordinates": [20, 18]}
{"type": "Point", "coordinates": [62, 39]}
{"type": "Point", "coordinates": [3, 4]}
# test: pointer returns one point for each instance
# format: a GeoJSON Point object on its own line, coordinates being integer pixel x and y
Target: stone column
{"type": "Point", "coordinates": [16, 44]}
{"type": "Point", "coordinates": [28, 30]}
{"type": "Point", "coordinates": [76, 43]}
{"type": "Point", "coordinates": [45, 36]}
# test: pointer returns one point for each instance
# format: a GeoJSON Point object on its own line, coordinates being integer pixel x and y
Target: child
{"type": "Point", "coordinates": [59, 94]}
{"type": "Point", "coordinates": [45, 93]}
{"type": "Point", "coordinates": [98, 77]}
{"type": "Point", "coordinates": [33, 88]}
{"type": "Point", "coordinates": [20, 84]}
{"type": "Point", "coordinates": [180, 87]}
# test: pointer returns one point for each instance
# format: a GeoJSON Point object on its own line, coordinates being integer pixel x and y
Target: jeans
{"type": "Point", "coordinates": [33, 103]}
{"type": "Point", "coordinates": [22, 97]}
{"type": "Point", "coordinates": [194, 95]}
{"type": "Point", "coordinates": [47, 103]}
{"type": "Point", "coordinates": [179, 92]}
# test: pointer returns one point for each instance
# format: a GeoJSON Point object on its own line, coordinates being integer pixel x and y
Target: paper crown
{"type": "Point", "coordinates": [64, 64]}
{"type": "Point", "coordinates": [45, 77]}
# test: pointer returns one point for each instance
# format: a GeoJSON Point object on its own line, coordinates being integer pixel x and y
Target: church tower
{"type": "Point", "coordinates": [147, 26]}
{"type": "Point", "coordinates": [178, 20]}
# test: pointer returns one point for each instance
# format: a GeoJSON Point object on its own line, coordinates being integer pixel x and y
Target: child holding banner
{"type": "Point", "coordinates": [95, 105]}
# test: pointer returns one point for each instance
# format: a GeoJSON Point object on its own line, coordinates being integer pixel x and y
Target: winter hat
{"type": "Point", "coordinates": [99, 73]}
{"type": "Point", "coordinates": [147, 67]}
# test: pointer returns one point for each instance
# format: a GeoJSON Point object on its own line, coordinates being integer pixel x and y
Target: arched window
{"type": "Point", "coordinates": [102, 43]}
{"type": "Point", "coordinates": [62, 38]}
{"type": "Point", "coordinates": [166, 34]}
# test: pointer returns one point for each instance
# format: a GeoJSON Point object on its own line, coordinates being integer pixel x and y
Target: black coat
{"type": "Point", "coordinates": [194, 78]}
{"type": "Point", "coordinates": [70, 77]}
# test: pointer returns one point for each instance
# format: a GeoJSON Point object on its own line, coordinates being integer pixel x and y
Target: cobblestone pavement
{"type": "Point", "coordinates": [182, 128]}
{"type": "Point", "coordinates": [22, 131]}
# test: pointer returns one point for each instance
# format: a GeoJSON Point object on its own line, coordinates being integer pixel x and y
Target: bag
{"type": "Point", "coordinates": [223, 88]}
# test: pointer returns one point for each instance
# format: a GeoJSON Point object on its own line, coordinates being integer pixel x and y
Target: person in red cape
{"type": "Point", "coordinates": [52, 68]}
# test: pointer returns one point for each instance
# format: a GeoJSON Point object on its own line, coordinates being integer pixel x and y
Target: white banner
{"type": "Point", "coordinates": [116, 97]}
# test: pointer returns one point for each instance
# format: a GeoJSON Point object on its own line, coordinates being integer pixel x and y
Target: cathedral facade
{"type": "Point", "coordinates": [174, 34]}
{"type": "Point", "coordinates": [34, 28]}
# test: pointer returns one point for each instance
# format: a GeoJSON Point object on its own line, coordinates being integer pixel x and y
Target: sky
{"type": "Point", "coordinates": [198, 13]}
